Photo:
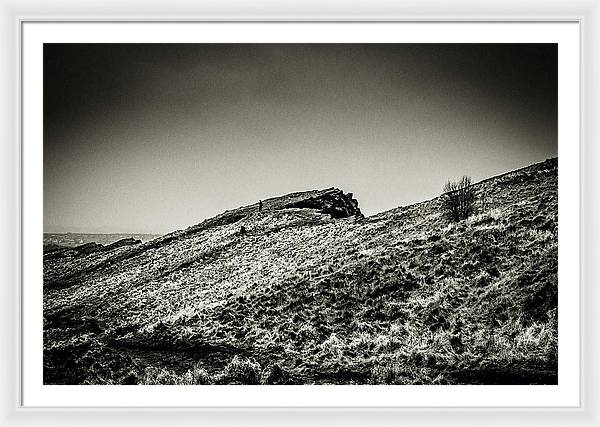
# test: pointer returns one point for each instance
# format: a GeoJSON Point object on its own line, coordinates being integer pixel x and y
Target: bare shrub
{"type": "Point", "coordinates": [459, 199]}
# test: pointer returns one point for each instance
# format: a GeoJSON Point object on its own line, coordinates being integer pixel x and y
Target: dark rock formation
{"type": "Point", "coordinates": [89, 248]}
{"type": "Point", "coordinates": [331, 201]}
{"type": "Point", "coordinates": [52, 247]}
{"type": "Point", "coordinates": [123, 242]}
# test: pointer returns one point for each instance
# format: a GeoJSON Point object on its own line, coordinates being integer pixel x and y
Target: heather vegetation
{"type": "Point", "coordinates": [311, 292]}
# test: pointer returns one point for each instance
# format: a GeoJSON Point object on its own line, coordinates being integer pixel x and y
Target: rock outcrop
{"type": "Point", "coordinates": [332, 201]}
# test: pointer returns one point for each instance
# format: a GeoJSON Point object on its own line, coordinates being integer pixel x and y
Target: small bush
{"type": "Point", "coordinates": [332, 347]}
{"type": "Point", "coordinates": [241, 371]}
{"type": "Point", "coordinates": [459, 199]}
{"type": "Point", "coordinates": [275, 374]}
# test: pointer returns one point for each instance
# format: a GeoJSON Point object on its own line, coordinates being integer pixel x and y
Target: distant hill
{"type": "Point", "coordinates": [77, 239]}
{"type": "Point", "coordinates": [308, 291]}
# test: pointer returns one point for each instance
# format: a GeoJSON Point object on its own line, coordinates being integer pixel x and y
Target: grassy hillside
{"type": "Point", "coordinates": [304, 293]}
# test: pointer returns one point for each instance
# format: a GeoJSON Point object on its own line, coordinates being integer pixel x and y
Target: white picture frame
{"type": "Point", "coordinates": [13, 412]}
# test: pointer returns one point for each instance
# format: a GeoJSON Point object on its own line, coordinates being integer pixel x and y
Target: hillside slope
{"type": "Point", "coordinates": [307, 290]}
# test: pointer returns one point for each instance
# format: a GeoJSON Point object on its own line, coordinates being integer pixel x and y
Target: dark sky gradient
{"type": "Point", "coordinates": [152, 138]}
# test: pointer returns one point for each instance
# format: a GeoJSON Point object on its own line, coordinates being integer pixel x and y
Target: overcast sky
{"type": "Point", "coordinates": [153, 138]}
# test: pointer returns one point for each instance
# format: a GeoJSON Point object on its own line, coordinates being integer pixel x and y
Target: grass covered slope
{"type": "Point", "coordinates": [309, 291]}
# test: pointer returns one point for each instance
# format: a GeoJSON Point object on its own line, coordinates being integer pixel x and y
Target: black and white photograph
{"type": "Point", "coordinates": [300, 214]}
